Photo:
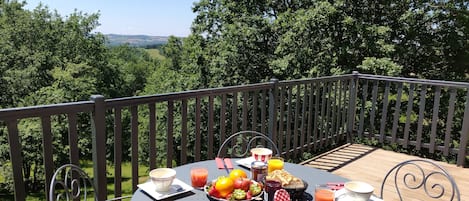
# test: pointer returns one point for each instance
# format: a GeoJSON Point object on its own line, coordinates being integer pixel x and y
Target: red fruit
{"type": "Point", "coordinates": [246, 184]}
{"type": "Point", "coordinates": [213, 192]}
{"type": "Point", "coordinates": [238, 183]}
{"type": "Point", "coordinates": [228, 197]}
{"type": "Point", "coordinates": [242, 183]}
{"type": "Point", "coordinates": [248, 195]}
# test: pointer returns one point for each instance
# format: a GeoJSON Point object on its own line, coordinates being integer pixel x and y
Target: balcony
{"type": "Point", "coordinates": [303, 117]}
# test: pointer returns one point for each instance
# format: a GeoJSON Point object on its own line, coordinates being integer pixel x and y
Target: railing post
{"type": "Point", "coordinates": [464, 134]}
{"type": "Point", "coordinates": [273, 111]}
{"type": "Point", "coordinates": [352, 105]}
{"type": "Point", "coordinates": [98, 127]}
{"type": "Point", "coordinates": [16, 159]}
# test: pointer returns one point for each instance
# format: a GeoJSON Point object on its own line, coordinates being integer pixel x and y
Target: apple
{"type": "Point", "coordinates": [242, 183]}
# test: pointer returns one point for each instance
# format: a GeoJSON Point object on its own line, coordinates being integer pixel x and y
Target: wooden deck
{"type": "Point", "coordinates": [368, 164]}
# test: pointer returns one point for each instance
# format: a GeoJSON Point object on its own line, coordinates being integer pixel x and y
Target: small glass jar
{"type": "Point", "coordinates": [258, 171]}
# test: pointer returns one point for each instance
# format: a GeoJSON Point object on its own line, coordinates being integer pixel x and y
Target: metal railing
{"type": "Point", "coordinates": [300, 116]}
{"type": "Point", "coordinates": [427, 115]}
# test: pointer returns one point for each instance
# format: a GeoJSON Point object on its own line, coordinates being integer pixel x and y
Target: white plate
{"type": "Point", "coordinates": [246, 162]}
{"type": "Point", "coordinates": [341, 195]}
{"type": "Point", "coordinates": [177, 187]}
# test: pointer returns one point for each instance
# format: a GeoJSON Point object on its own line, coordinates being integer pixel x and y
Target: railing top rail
{"type": "Point", "coordinates": [316, 79]}
{"type": "Point", "coordinates": [111, 103]}
{"type": "Point", "coordinates": [42, 110]}
{"type": "Point", "coordinates": [415, 81]}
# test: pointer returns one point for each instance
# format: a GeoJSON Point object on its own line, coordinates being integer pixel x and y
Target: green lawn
{"type": "Point", "coordinates": [88, 167]}
{"type": "Point", "coordinates": [126, 178]}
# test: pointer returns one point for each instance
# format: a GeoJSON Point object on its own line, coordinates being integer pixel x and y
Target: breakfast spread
{"type": "Point", "coordinates": [235, 186]}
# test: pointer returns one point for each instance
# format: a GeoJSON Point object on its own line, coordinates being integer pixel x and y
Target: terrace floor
{"type": "Point", "coordinates": [369, 164]}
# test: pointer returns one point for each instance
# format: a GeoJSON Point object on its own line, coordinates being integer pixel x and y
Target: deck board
{"type": "Point", "coordinates": [371, 165]}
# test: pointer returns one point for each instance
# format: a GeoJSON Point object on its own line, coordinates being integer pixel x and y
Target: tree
{"type": "Point", "coordinates": [45, 59]}
{"type": "Point", "coordinates": [134, 66]}
{"type": "Point", "coordinates": [246, 41]}
{"type": "Point", "coordinates": [172, 50]}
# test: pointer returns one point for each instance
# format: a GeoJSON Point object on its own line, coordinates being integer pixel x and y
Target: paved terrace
{"type": "Point", "coordinates": [369, 164]}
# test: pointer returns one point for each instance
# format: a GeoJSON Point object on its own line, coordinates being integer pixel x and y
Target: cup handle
{"type": "Point", "coordinates": [342, 196]}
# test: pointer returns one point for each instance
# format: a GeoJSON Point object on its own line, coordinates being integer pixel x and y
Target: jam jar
{"type": "Point", "coordinates": [258, 171]}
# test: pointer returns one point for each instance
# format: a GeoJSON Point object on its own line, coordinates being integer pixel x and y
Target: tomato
{"type": "Point", "coordinates": [224, 186]}
{"type": "Point", "coordinates": [237, 173]}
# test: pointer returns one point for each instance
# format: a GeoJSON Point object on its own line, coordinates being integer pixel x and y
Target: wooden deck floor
{"type": "Point", "coordinates": [368, 164]}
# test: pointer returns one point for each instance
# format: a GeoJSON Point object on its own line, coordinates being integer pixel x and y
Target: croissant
{"type": "Point", "coordinates": [285, 178]}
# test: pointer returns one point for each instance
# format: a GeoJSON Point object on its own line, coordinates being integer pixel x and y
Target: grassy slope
{"type": "Point", "coordinates": [155, 54]}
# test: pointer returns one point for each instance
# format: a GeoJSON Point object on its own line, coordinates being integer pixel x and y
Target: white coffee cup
{"type": "Point", "coordinates": [162, 178]}
{"type": "Point", "coordinates": [358, 191]}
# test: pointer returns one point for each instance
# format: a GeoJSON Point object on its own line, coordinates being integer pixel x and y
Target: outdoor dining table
{"type": "Point", "coordinates": [311, 175]}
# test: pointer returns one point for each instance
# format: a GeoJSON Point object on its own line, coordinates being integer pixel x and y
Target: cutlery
{"type": "Point", "coordinates": [224, 165]}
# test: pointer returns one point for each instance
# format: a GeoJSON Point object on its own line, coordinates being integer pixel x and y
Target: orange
{"type": "Point", "coordinates": [224, 186]}
{"type": "Point", "coordinates": [237, 173]}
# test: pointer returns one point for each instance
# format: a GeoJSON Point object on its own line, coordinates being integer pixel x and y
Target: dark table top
{"type": "Point", "coordinates": [311, 175]}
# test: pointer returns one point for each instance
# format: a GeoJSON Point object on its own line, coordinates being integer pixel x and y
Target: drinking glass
{"type": "Point", "coordinates": [275, 163]}
{"type": "Point", "coordinates": [199, 177]}
{"type": "Point", "coordinates": [270, 187]}
{"type": "Point", "coordinates": [323, 193]}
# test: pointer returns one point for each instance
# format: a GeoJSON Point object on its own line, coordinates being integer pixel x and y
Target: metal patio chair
{"type": "Point", "coordinates": [419, 174]}
{"type": "Point", "coordinates": [243, 141]}
{"type": "Point", "coordinates": [70, 182]}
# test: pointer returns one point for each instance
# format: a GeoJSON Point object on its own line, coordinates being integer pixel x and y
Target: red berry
{"type": "Point", "coordinates": [248, 195]}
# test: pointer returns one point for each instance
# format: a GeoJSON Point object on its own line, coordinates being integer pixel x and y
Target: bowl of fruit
{"type": "Point", "coordinates": [226, 188]}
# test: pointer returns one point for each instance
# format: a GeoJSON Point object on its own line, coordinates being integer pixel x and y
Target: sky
{"type": "Point", "coordinates": [130, 17]}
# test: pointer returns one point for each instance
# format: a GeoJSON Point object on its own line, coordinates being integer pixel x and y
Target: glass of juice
{"type": "Point", "coordinates": [323, 193]}
{"type": "Point", "coordinates": [275, 163]}
{"type": "Point", "coordinates": [199, 177]}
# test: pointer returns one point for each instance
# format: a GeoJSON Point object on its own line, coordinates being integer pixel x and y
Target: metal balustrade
{"type": "Point", "coordinates": [299, 116]}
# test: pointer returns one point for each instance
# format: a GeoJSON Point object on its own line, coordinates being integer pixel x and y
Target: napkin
{"type": "Point", "coordinates": [335, 186]}
{"type": "Point", "coordinates": [220, 164]}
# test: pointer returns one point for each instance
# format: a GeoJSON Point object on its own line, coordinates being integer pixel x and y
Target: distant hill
{"type": "Point", "coordinates": [135, 40]}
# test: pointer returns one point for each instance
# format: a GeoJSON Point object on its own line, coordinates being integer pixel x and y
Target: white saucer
{"type": "Point", "coordinates": [341, 195]}
{"type": "Point", "coordinates": [246, 162]}
{"type": "Point", "coordinates": [177, 187]}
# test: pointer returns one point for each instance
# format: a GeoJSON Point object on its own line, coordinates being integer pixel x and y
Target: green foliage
{"type": "Point", "coordinates": [40, 49]}
{"type": "Point", "coordinates": [382, 66]}
{"type": "Point", "coordinates": [6, 178]}
{"type": "Point", "coordinates": [173, 50]}
{"type": "Point", "coordinates": [248, 42]}
{"type": "Point", "coordinates": [155, 54]}
{"type": "Point", "coordinates": [47, 59]}
{"type": "Point", "coordinates": [306, 47]}
{"type": "Point", "coordinates": [133, 66]}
